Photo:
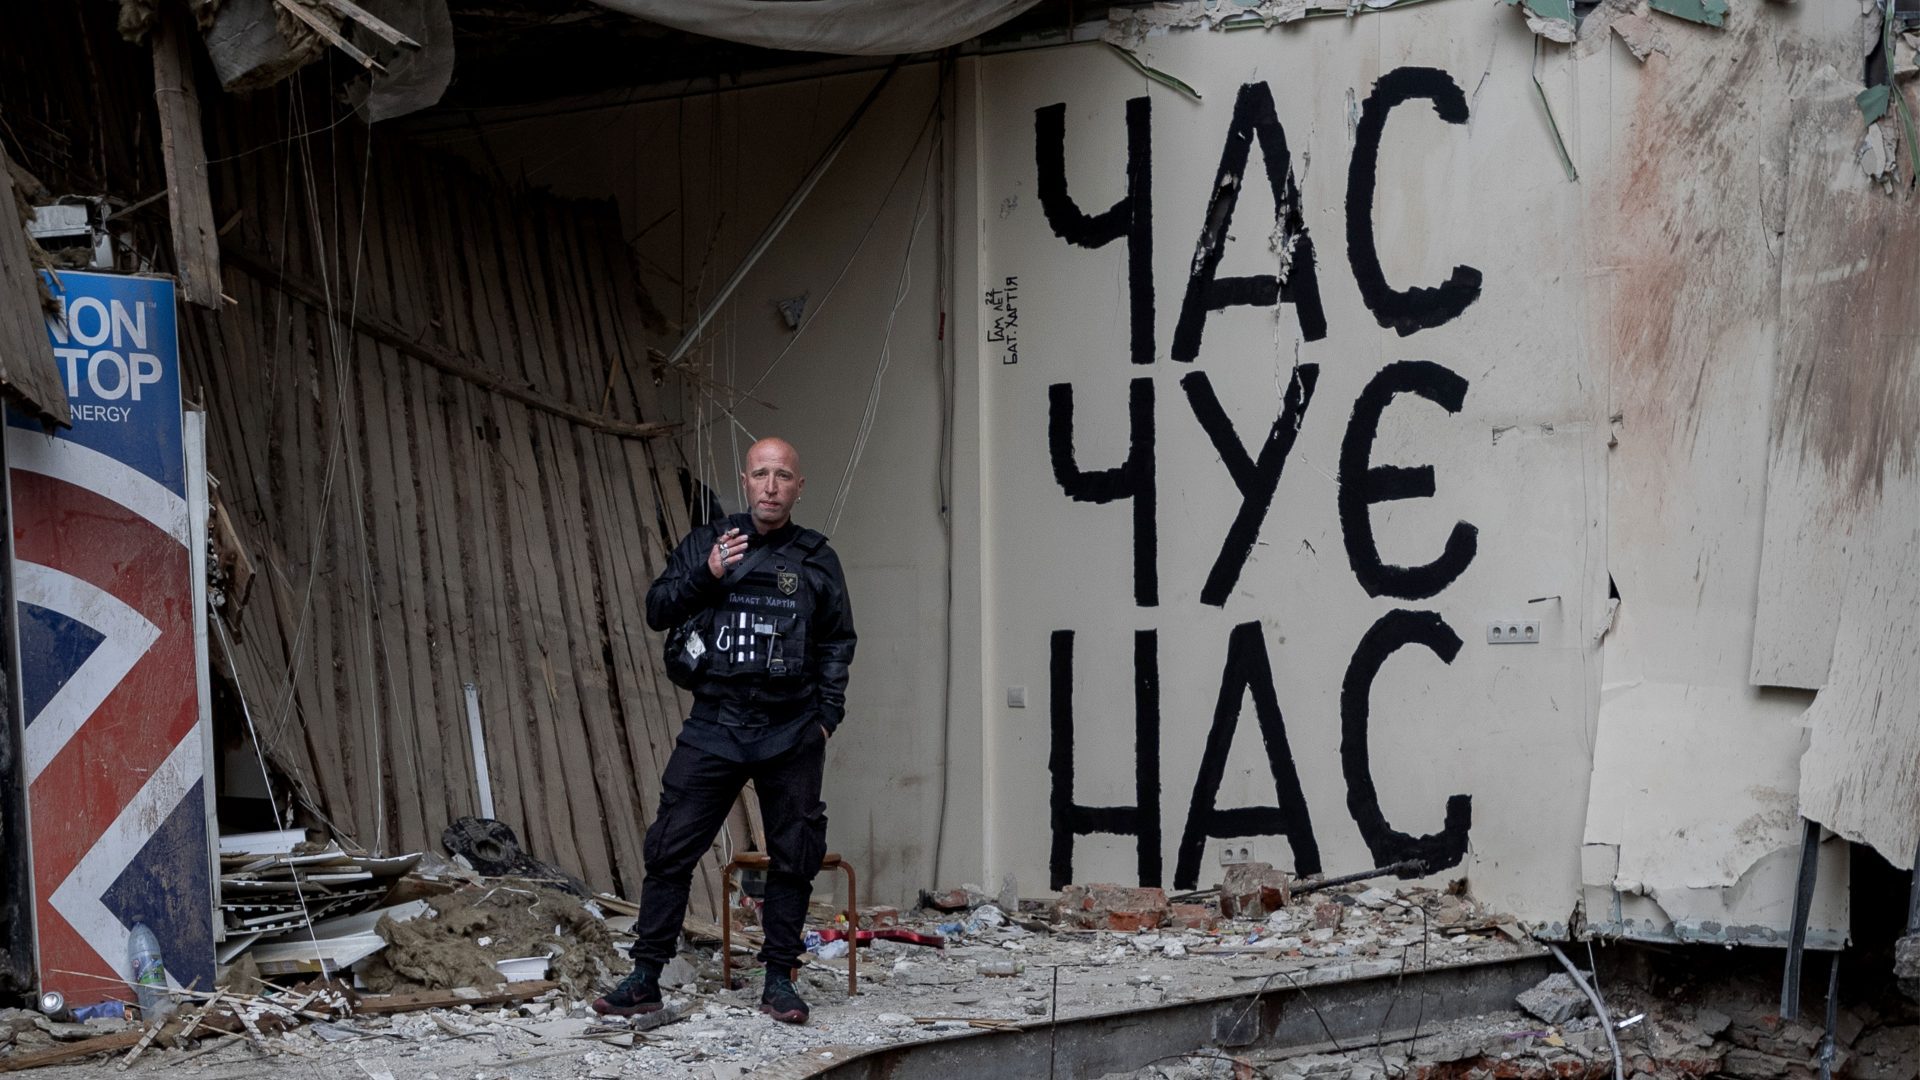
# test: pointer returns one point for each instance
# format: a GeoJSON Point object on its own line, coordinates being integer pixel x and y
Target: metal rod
{"type": "Point", "coordinates": [1802, 914]}
{"type": "Point", "coordinates": [1913, 896]}
{"type": "Point", "coordinates": [1407, 866]}
{"type": "Point", "coordinates": [1828, 1044]}
{"type": "Point", "coordinates": [1599, 1008]}
{"type": "Point", "coordinates": [780, 222]}
{"type": "Point", "coordinates": [481, 780]}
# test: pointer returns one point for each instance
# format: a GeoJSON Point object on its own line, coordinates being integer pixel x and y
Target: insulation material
{"type": "Point", "coordinates": [249, 48]}
{"type": "Point", "coordinates": [465, 935]}
{"type": "Point", "coordinates": [856, 27]}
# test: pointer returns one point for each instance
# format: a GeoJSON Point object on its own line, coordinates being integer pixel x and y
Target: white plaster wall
{"type": "Point", "coordinates": [1508, 726]}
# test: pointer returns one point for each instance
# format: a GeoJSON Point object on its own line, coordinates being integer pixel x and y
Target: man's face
{"type": "Point", "coordinates": [772, 483]}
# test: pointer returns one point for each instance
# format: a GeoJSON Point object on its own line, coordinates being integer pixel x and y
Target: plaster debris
{"type": "Point", "coordinates": [1550, 19]}
{"type": "Point", "coordinates": [1640, 34]}
{"type": "Point", "coordinates": [1556, 1000]}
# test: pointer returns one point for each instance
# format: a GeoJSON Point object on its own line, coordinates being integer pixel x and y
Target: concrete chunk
{"type": "Point", "coordinates": [1555, 1000]}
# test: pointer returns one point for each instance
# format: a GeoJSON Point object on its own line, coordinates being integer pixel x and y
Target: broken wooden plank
{"type": "Point", "coordinates": [390, 1004]}
{"type": "Point", "coordinates": [380, 28]}
{"type": "Point", "coordinates": [73, 1051]}
{"type": "Point", "coordinates": [28, 375]}
{"type": "Point", "coordinates": [333, 37]}
{"type": "Point", "coordinates": [196, 241]}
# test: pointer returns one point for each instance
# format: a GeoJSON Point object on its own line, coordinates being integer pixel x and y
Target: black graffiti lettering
{"type": "Point", "coordinates": [1362, 485]}
{"type": "Point", "coordinates": [1247, 669]}
{"type": "Point", "coordinates": [1256, 480]}
{"type": "Point", "coordinates": [1132, 479]}
{"type": "Point", "coordinates": [1253, 117]}
{"type": "Point", "coordinates": [1141, 820]}
{"type": "Point", "coordinates": [1131, 217]}
{"type": "Point", "coordinates": [1438, 851]}
{"type": "Point", "coordinates": [1411, 310]}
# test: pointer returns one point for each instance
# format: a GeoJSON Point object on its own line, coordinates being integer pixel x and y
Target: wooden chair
{"type": "Point", "coordinates": [758, 861]}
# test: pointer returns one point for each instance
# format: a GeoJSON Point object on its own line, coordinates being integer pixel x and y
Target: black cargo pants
{"type": "Point", "coordinates": [698, 789]}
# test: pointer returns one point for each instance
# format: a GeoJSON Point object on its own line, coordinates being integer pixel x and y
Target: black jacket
{"type": "Point", "coordinates": [816, 610]}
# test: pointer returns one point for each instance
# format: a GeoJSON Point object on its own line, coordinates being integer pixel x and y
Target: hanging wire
{"type": "Point", "coordinates": [920, 207]}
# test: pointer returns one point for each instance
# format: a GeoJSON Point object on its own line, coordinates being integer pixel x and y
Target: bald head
{"type": "Point", "coordinates": [772, 482]}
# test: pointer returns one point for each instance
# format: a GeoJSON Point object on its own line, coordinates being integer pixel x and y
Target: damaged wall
{"type": "Point", "coordinates": [427, 418]}
{"type": "Point", "coordinates": [1693, 823]}
{"type": "Point", "coordinates": [697, 179]}
{"type": "Point", "coordinates": [1208, 346]}
{"type": "Point", "coordinates": [1183, 446]}
{"type": "Point", "coordinates": [416, 529]}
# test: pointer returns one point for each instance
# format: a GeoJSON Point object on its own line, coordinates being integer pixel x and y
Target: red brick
{"type": "Point", "coordinates": [1113, 907]}
{"type": "Point", "coordinates": [1194, 916]}
{"type": "Point", "coordinates": [1252, 890]}
{"type": "Point", "coordinates": [879, 915]}
{"type": "Point", "coordinates": [1327, 915]}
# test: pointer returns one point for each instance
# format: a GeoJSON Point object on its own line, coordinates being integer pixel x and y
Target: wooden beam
{"type": "Point", "coordinates": [320, 26]}
{"type": "Point", "coordinates": [196, 243]}
{"type": "Point", "coordinates": [374, 325]}
{"type": "Point", "coordinates": [374, 1005]}
{"type": "Point", "coordinates": [29, 377]}
{"type": "Point", "coordinates": [379, 27]}
{"type": "Point", "coordinates": [73, 1051]}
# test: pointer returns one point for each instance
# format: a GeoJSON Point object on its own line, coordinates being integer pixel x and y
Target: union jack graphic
{"type": "Point", "coordinates": [113, 749]}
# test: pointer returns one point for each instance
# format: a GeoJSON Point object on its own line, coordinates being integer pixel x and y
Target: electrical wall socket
{"type": "Point", "coordinates": [1514, 632]}
{"type": "Point", "coordinates": [1016, 697]}
{"type": "Point", "coordinates": [1230, 854]}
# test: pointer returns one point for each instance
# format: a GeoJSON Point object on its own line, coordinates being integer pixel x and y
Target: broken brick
{"type": "Point", "coordinates": [1252, 890]}
{"type": "Point", "coordinates": [1112, 907]}
{"type": "Point", "coordinates": [1327, 915]}
{"type": "Point", "coordinates": [1194, 917]}
{"type": "Point", "coordinates": [879, 915]}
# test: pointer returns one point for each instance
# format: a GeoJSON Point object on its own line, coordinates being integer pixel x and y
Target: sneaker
{"type": "Point", "coordinates": [637, 994]}
{"type": "Point", "coordinates": [781, 1001]}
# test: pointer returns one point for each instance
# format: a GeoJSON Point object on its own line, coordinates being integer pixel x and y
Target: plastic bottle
{"type": "Point", "coordinates": [149, 974]}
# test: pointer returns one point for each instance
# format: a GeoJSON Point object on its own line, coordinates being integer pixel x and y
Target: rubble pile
{"type": "Point", "coordinates": [434, 998]}
{"type": "Point", "coordinates": [1552, 1034]}
{"type": "Point", "coordinates": [268, 893]}
{"type": "Point", "coordinates": [464, 937]}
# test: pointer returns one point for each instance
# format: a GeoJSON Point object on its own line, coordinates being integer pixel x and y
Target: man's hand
{"type": "Point", "coordinates": [729, 549]}
{"type": "Point", "coordinates": [824, 733]}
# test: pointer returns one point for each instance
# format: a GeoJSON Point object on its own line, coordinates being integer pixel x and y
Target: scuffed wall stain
{"type": "Point", "coordinates": [1691, 255]}
{"type": "Point", "coordinates": [1849, 390]}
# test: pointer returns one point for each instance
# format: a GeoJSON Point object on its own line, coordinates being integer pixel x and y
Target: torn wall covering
{"type": "Point", "coordinates": [1838, 592]}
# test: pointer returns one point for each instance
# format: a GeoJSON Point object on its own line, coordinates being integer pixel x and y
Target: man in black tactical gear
{"type": "Point", "coordinates": [771, 635]}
